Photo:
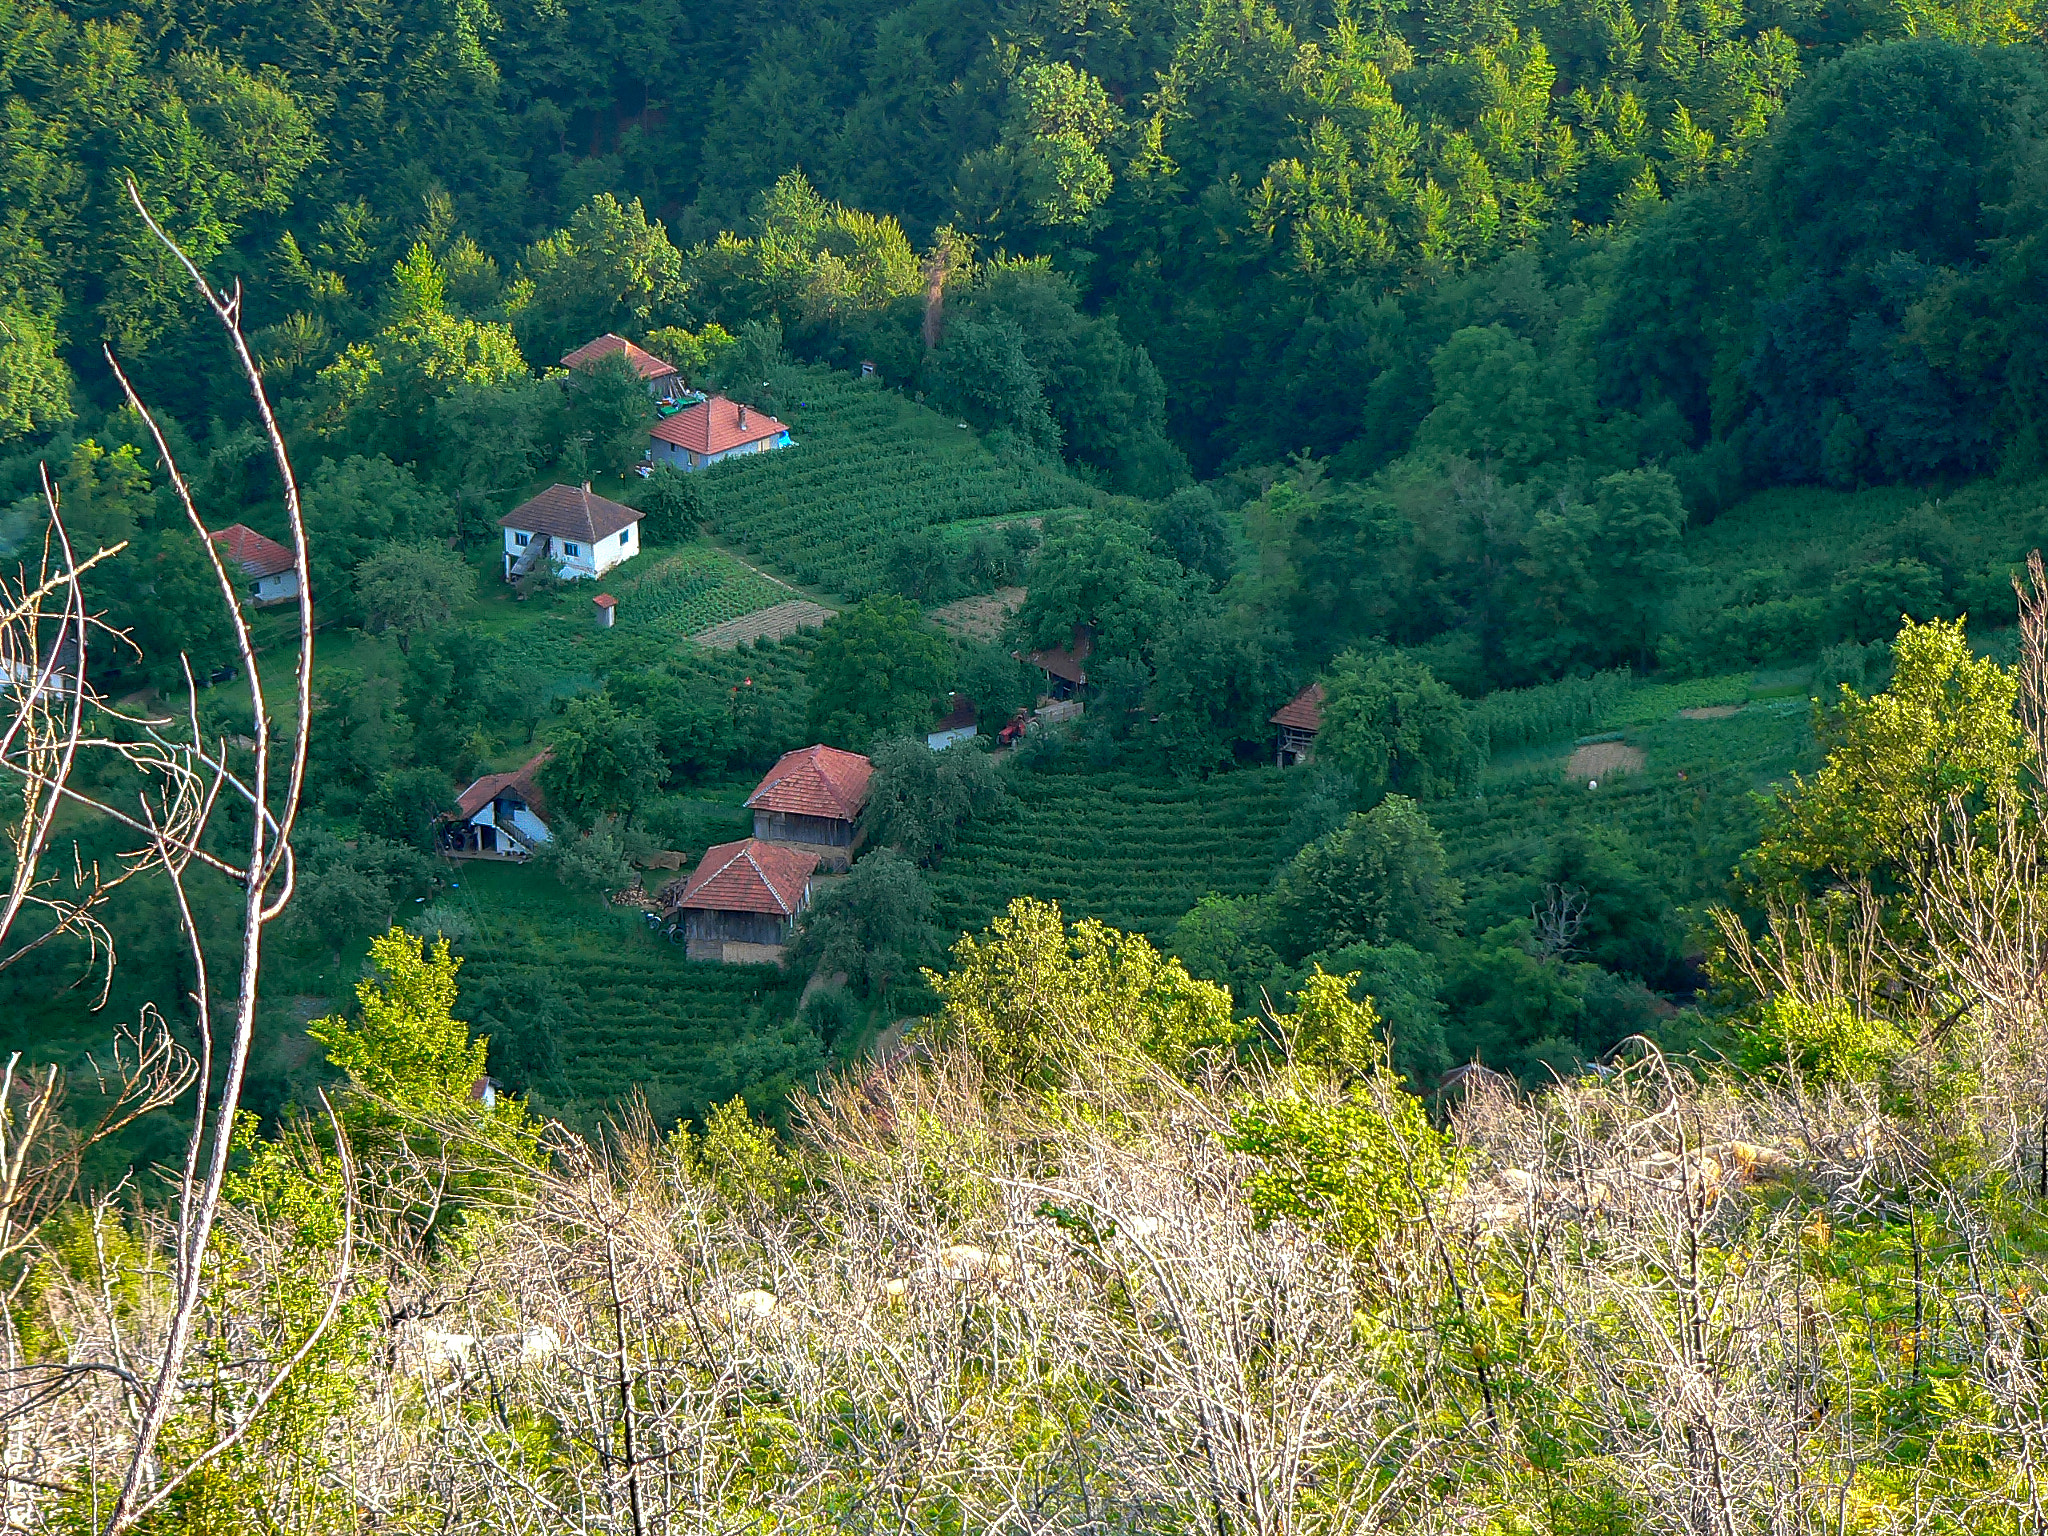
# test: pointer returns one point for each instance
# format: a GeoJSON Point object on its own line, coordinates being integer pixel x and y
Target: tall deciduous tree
{"type": "Point", "coordinates": [1389, 723]}
{"type": "Point", "coordinates": [602, 760]}
{"type": "Point", "coordinates": [878, 670]}
{"type": "Point", "coordinates": [406, 588]}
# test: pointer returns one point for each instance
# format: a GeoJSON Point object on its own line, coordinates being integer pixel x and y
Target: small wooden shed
{"type": "Point", "coordinates": [742, 899]}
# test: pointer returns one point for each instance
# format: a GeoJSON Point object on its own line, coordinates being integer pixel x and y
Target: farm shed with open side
{"type": "Point", "coordinates": [1298, 721]}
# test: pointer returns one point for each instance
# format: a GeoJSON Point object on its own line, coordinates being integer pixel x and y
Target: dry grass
{"type": "Point", "coordinates": [979, 618]}
{"type": "Point", "coordinates": [1604, 760]}
{"type": "Point", "coordinates": [772, 623]}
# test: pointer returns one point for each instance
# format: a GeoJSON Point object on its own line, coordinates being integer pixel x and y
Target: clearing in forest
{"type": "Point", "coordinates": [1604, 760]}
{"type": "Point", "coordinates": [979, 618]}
{"type": "Point", "coordinates": [864, 465]}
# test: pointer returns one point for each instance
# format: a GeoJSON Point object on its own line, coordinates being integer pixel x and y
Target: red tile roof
{"type": "Point", "coordinates": [646, 364]}
{"type": "Point", "coordinates": [256, 555]}
{"type": "Point", "coordinates": [715, 425]}
{"type": "Point", "coordinates": [749, 876]}
{"type": "Point", "coordinates": [570, 512]}
{"type": "Point", "coordinates": [523, 781]}
{"type": "Point", "coordinates": [1303, 712]}
{"type": "Point", "coordinates": [815, 781]}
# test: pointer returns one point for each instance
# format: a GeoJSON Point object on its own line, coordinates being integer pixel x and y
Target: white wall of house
{"type": "Point", "coordinates": [578, 557]}
{"type": "Point", "coordinates": [275, 589]}
{"type": "Point", "coordinates": [520, 823]}
{"type": "Point", "coordinates": [685, 460]}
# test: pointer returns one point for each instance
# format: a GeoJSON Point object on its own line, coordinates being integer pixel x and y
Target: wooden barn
{"type": "Point", "coordinates": [1298, 720]}
{"type": "Point", "coordinates": [742, 899]}
{"type": "Point", "coordinates": [812, 800]}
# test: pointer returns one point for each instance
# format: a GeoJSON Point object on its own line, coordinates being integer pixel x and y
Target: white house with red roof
{"type": "Point", "coordinates": [273, 574]}
{"type": "Point", "coordinates": [714, 429]}
{"type": "Point", "coordinates": [812, 799]}
{"type": "Point", "coordinates": [501, 815]}
{"type": "Point", "coordinates": [742, 899]}
{"type": "Point", "coordinates": [583, 533]}
{"type": "Point", "coordinates": [664, 380]}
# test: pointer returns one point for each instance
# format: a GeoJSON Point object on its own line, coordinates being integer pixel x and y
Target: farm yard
{"type": "Point", "coordinates": [865, 465]}
{"type": "Point", "coordinates": [587, 1005]}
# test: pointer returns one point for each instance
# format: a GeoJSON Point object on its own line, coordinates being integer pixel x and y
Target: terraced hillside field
{"type": "Point", "coordinates": [1135, 852]}
{"type": "Point", "coordinates": [690, 588]}
{"type": "Point", "coordinates": [584, 1006]}
{"type": "Point", "coordinates": [865, 464]}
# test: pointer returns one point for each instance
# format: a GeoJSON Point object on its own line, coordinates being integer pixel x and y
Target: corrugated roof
{"type": "Point", "coordinates": [715, 426]}
{"type": "Point", "coordinates": [646, 364]}
{"type": "Point", "coordinates": [256, 555]}
{"type": "Point", "coordinates": [523, 781]}
{"type": "Point", "coordinates": [570, 512]}
{"type": "Point", "coordinates": [1303, 712]}
{"type": "Point", "coordinates": [749, 876]}
{"type": "Point", "coordinates": [815, 781]}
{"type": "Point", "coordinates": [1070, 663]}
{"type": "Point", "coordinates": [961, 714]}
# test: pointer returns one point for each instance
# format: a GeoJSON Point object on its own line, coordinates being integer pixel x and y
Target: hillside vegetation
{"type": "Point", "coordinates": [1598, 1086]}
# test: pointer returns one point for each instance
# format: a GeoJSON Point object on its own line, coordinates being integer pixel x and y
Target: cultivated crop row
{"type": "Point", "coordinates": [862, 471]}
{"type": "Point", "coordinates": [688, 590]}
{"type": "Point", "coordinates": [1136, 853]}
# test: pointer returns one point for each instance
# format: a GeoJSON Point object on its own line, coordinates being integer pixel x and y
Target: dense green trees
{"type": "Point", "coordinates": [879, 670]}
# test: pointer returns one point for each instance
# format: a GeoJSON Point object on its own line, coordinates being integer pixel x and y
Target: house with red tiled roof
{"type": "Point", "coordinates": [742, 899]}
{"type": "Point", "coordinates": [272, 573]}
{"type": "Point", "coordinates": [582, 533]}
{"type": "Point", "coordinates": [501, 815]}
{"type": "Point", "coordinates": [711, 430]}
{"type": "Point", "coordinates": [812, 799]}
{"type": "Point", "coordinates": [1299, 719]}
{"type": "Point", "coordinates": [664, 380]}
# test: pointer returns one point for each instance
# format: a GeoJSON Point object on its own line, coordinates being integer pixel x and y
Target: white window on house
{"type": "Point", "coordinates": [519, 539]}
{"type": "Point", "coordinates": [626, 537]}
{"type": "Point", "coordinates": [570, 549]}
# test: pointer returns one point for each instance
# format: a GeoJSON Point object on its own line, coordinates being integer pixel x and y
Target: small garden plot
{"type": "Point", "coordinates": [687, 590]}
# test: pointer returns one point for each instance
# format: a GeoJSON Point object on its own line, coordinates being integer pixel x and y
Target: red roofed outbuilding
{"type": "Point", "coordinates": [742, 899]}
{"type": "Point", "coordinates": [664, 380]}
{"type": "Point", "coordinates": [1299, 719]}
{"type": "Point", "coordinates": [713, 429]}
{"type": "Point", "coordinates": [812, 800]}
{"type": "Point", "coordinates": [272, 574]}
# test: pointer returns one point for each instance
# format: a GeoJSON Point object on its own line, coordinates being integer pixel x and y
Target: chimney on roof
{"type": "Point", "coordinates": [586, 487]}
{"type": "Point", "coordinates": [743, 418]}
